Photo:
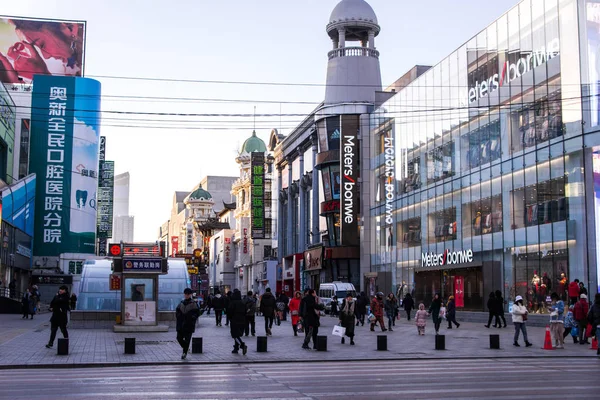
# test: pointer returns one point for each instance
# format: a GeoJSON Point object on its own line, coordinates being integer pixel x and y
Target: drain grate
{"type": "Point", "coordinates": [147, 342]}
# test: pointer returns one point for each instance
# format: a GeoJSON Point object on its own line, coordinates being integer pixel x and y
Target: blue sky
{"type": "Point", "coordinates": [228, 40]}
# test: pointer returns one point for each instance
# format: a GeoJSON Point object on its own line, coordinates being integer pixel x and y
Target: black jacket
{"type": "Point", "coordinates": [218, 302]}
{"type": "Point", "coordinates": [594, 315]}
{"type": "Point", "coordinates": [451, 310]}
{"type": "Point", "coordinates": [236, 311]}
{"type": "Point", "coordinates": [60, 307]}
{"type": "Point", "coordinates": [408, 303]}
{"type": "Point", "coordinates": [311, 316]}
{"type": "Point", "coordinates": [187, 313]}
{"type": "Point", "coordinates": [499, 305]}
{"type": "Point", "coordinates": [267, 304]}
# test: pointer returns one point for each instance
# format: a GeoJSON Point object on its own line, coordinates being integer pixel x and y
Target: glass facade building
{"type": "Point", "coordinates": [486, 167]}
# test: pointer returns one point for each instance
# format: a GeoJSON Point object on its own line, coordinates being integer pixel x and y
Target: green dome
{"type": "Point", "coordinates": [254, 144]}
{"type": "Point", "coordinates": [199, 194]}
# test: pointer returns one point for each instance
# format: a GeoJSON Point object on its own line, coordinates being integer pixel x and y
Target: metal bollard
{"type": "Point", "coordinates": [382, 343]}
{"type": "Point", "coordinates": [440, 342]}
{"type": "Point", "coordinates": [63, 347]}
{"type": "Point", "coordinates": [321, 343]}
{"type": "Point", "coordinates": [261, 344]}
{"type": "Point", "coordinates": [129, 345]}
{"type": "Point", "coordinates": [495, 342]}
{"type": "Point", "coordinates": [196, 345]}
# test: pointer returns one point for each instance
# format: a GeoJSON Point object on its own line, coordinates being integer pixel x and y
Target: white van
{"type": "Point", "coordinates": [339, 289]}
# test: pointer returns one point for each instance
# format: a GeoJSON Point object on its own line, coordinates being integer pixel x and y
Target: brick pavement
{"type": "Point", "coordinates": [22, 344]}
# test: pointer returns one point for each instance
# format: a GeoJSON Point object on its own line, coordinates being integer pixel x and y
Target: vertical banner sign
{"type": "Point", "coordinates": [389, 222]}
{"type": "Point", "coordinates": [106, 184]}
{"type": "Point", "coordinates": [257, 206]}
{"type": "Point", "coordinates": [459, 291]}
{"type": "Point", "coordinates": [349, 191]}
{"type": "Point", "coordinates": [65, 127]}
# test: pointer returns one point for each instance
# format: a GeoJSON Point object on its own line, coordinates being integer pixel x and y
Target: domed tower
{"type": "Point", "coordinates": [199, 204]}
{"type": "Point", "coordinates": [353, 73]}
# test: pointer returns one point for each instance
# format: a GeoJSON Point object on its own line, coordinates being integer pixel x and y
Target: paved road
{"type": "Point", "coordinates": [416, 379]}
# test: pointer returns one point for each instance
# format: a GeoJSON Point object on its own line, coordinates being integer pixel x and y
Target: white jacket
{"type": "Point", "coordinates": [518, 312]}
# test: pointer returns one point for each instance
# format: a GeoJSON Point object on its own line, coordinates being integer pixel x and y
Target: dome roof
{"type": "Point", "coordinates": [353, 10]}
{"type": "Point", "coordinates": [199, 194]}
{"type": "Point", "coordinates": [254, 144]}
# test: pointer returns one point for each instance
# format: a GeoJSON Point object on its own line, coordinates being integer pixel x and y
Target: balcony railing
{"type": "Point", "coordinates": [353, 52]}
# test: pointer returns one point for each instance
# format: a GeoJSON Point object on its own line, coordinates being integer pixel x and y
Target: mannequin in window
{"type": "Point", "coordinates": [477, 224]}
{"type": "Point", "coordinates": [535, 288]}
{"type": "Point", "coordinates": [562, 286]}
{"type": "Point", "coordinates": [542, 293]}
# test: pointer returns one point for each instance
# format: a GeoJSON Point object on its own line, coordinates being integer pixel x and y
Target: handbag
{"type": "Point", "coordinates": [524, 317]}
{"type": "Point", "coordinates": [372, 317]}
{"type": "Point", "coordinates": [338, 331]}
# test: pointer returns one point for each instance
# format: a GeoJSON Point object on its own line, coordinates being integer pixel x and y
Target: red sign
{"type": "Point", "coordinates": [115, 282]}
{"type": "Point", "coordinates": [174, 245]}
{"type": "Point", "coordinates": [146, 250]}
{"type": "Point", "coordinates": [459, 291]}
{"type": "Point", "coordinates": [115, 250]}
{"type": "Point", "coordinates": [330, 206]}
{"type": "Point", "coordinates": [227, 249]}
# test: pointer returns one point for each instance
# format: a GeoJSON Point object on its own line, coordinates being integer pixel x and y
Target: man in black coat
{"type": "Point", "coordinates": [361, 308]}
{"type": "Point", "coordinates": [250, 303]}
{"type": "Point", "coordinates": [187, 313]}
{"type": "Point", "coordinates": [267, 308]}
{"type": "Point", "coordinates": [227, 300]}
{"type": "Point", "coordinates": [59, 306]}
{"type": "Point", "coordinates": [311, 319]}
{"type": "Point", "coordinates": [237, 317]}
{"type": "Point", "coordinates": [218, 303]}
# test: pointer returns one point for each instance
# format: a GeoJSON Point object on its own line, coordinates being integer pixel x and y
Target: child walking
{"type": "Point", "coordinates": [421, 319]}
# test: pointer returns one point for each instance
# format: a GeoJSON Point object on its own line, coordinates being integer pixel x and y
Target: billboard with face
{"type": "Point", "coordinates": [64, 155]}
{"type": "Point", "coordinates": [38, 46]}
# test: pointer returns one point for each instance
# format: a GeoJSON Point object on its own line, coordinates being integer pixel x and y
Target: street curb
{"type": "Point", "coordinates": [242, 362]}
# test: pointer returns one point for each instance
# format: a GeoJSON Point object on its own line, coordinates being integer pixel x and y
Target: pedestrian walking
{"type": "Point", "coordinates": [187, 314]}
{"type": "Point", "coordinates": [250, 302]}
{"type": "Point", "coordinates": [557, 324]}
{"type": "Point", "coordinates": [237, 318]}
{"type": "Point", "coordinates": [227, 299]}
{"type": "Point", "coordinates": [421, 319]}
{"type": "Point", "coordinates": [391, 307]}
{"type": "Point", "coordinates": [499, 309]}
{"type": "Point", "coordinates": [285, 300]}
{"type": "Point", "coordinates": [347, 317]}
{"type": "Point", "coordinates": [519, 316]}
{"type": "Point", "coordinates": [571, 325]}
{"type": "Point", "coordinates": [73, 301]}
{"type": "Point", "coordinates": [267, 308]}
{"type": "Point", "coordinates": [434, 311]}
{"type": "Point", "coordinates": [334, 306]}
{"type": "Point", "coordinates": [594, 318]}
{"type": "Point", "coordinates": [28, 304]}
{"type": "Point", "coordinates": [37, 297]}
{"type": "Point", "coordinates": [257, 298]}
{"type": "Point", "coordinates": [408, 304]}
{"type": "Point", "coordinates": [573, 290]}
{"type": "Point", "coordinates": [581, 312]}
{"type": "Point", "coordinates": [294, 307]}
{"type": "Point", "coordinates": [361, 308]}
{"type": "Point", "coordinates": [218, 303]}
{"type": "Point", "coordinates": [491, 305]}
{"type": "Point", "coordinates": [209, 301]}
{"type": "Point", "coordinates": [311, 318]}
{"type": "Point", "coordinates": [451, 313]}
{"type": "Point", "coordinates": [280, 305]}
{"type": "Point", "coordinates": [377, 308]}
{"type": "Point", "coordinates": [59, 306]}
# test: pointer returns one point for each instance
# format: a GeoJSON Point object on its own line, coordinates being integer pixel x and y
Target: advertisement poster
{"type": "Point", "coordinates": [18, 204]}
{"type": "Point", "coordinates": [349, 196]}
{"type": "Point", "coordinates": [257, 196]}
{"type": "Point", "coordinates": [64, 156]}
{"type": "Point", "coordinates": [140, 311]}
{"type": "Point", "coordinates": [40, 46]}
{"type": "Point", "coordinates": [459, 291]}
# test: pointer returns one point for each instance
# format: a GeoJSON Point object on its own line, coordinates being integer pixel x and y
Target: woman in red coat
{"type": "Point", "coordinates": [294, 307]}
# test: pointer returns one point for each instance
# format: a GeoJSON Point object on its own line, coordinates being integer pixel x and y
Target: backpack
{"type": "Point", "coordinates": [250, 307]}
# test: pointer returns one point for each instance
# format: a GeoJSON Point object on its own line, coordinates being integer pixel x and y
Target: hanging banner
{"type": "Point", "coordinates": [349, 191]}
{"type": "Point", "coordinates": [257, 196]}
{"type": "Point", "coordinates": [459, 291]}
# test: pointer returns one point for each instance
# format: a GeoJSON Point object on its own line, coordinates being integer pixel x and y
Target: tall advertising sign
{"type": "Point", "coordinates": [64, 156]}
{"type": "Point", "coordinates": [106, 184]}
{"type": "Point", "coordinates": [349, 154]}
{"type": "Point", "coordinates": [257, 207]}
{"type": "Point", "coordinates": [388, 224]}
{"type": "Point", "coordinates": [31, 47]}
{"type": "Point", "coordinates": [596, 170]}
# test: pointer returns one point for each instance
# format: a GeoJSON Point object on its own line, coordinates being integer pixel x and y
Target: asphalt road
{"type": "Point", "coordinates": [518, 378]}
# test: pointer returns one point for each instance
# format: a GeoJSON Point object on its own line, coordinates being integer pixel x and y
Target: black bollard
{"type": "Point", "coordinates": [261, 344]}
{"type": "Point", "coordinates": [321, 343]}
{"type": "Point", "coordinates": [63, 347]}
{"type": "Point", "coordinates": [440, 342]}
{"type": "Point", "coordinates": [196, 345]}
{"type": "Point", "coordinates": [129, 345]}
{"type": "Point", "coordinates": [381, 343]}
{"type": "Point", "coordinates": [495, 342]}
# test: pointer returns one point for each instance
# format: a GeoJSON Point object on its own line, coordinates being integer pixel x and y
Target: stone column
{"type": "Point", "coordinates": [371, 40]}
{"type": "Point", "coordinates": [301, 201]}
{"type": "Point", "coordinates": [342, 35]}
{"type": "Point", "coordinates": [290, 210]}
{"type": "Point", "coordinates": [316, 237]}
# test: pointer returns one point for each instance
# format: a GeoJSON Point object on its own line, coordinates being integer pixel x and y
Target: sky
{"type": "Point", "coordinates": [154, 57]}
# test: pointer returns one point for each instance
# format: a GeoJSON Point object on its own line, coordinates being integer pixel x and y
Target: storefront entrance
{"type": "Point", "coordinates": [465, 284]}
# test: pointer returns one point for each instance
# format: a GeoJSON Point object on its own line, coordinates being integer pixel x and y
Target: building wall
{"type": "Point", "coordinates": [123, 229]}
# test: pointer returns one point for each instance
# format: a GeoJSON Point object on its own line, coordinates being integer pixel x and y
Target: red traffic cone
{"type": "Point", "coordinates": [548, 340]}
{"type": "Point", "coordinates": [594, 345]}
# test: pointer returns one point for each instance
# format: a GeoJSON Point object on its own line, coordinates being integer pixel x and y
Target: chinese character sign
{"type": "Point", "coordinates": [64, 156]}
{"type": "Point", "coordinates": [257, 195]}
{"type": "Point", "coordinates": [106, 183]}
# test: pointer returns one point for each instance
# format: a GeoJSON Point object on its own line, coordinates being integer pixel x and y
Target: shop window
{"type": "Point", "coordinates": [442, 225]}
{"type": "Point", "coordinates": [537, 123]}
{"type": "Point", "coordinates": [540, 203]}
{"type": "Point", "coordinates": [413, 178]}
{"type": "Point", "coordinates": [440, 163]}
{"type": "Point", "coordinates": [409, 232]}
{"type": "Point", "coordinates": [481, 145]}
{"type": "Point", "coordinates": [482, 216]}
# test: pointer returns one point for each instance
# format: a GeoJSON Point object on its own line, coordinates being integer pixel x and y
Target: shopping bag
{"type": "Point", "coordinates": [338, 331]}
{"type": "Point", "coordinates": [442, 314]}
{"type": "Point", "coordinates": [372, 317]}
